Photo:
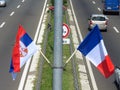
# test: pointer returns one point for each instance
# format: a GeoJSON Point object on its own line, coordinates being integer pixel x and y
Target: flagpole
{"type": "Point", "coordinates": [46, 58]}
{"type": "Point", "coordinates": [70, 57]}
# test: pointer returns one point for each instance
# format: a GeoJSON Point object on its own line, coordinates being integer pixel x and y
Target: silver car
{"type": "Point", "coordinates": [99, 19]}
{"type": "Point", "coordinates": [2, 3]}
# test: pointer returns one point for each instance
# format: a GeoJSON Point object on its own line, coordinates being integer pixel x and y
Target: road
{"type": "Point", "coordinates": [83, 9]}
{"type": "Point", "coordinates": [26, 13]}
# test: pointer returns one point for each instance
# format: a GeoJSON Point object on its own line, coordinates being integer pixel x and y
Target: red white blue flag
{"type": "Point", "coordinates": [93, 48]}
{"type": "Point", "coordinates": [23, 49]}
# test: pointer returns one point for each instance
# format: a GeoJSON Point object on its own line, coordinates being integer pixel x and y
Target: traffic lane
{"type": "Point", "coordinates": [112, 18]}
{"type": "Point", "coordinates": [114, 32]}
{"type": "Point", "coordinates": [114, 21]}
{"type": "Point", "coordinates": [113, 50]}
{"type": "Point", "coordinates": [112, 43]}
{"type": "Point", "coordinates": [5, 77]}
{"type": "Point", "coordinates": [111, 39]}
{"type": "Point", "coordinates": [84, 12]}
{"type": "Point", "coordinates": [31, 15]}
{"type": "Point", "coordinates": [5, 49]}
{"type": "Point", "coordinates": [83, 9]}
{"type": "Point", "coordinates": [28, 17]}
{"type": "Point", "coordinates": [102, 82]}
{"type": "Point", "coordinates": [11, 5]}
{"type": "Point", "coordinates": [98, 5]}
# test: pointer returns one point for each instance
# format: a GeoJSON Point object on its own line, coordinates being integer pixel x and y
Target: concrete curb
{"type": "Point", "coordinates": [33, 69]}
{"type": "Point", "coordinates": [81, 67]}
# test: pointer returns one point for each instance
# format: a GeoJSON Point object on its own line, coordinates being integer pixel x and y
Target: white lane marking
{"type": "Point", "coordinates": [99, 9]}
{"type": "Point", "coordinates": [116, 30]}
{"type": "Point", "coordinates": [2, 24]}
{"type": "Point", "coordinates": [12, 14]}
{"type": "Point", "coordinates": [23, 0]}
{"type": "Point", "coordinates": [93, 2]}
{"type": "Point", "coordinates": [18, 6]}
{"type": "Point", "coordinates": [94, 85]}
{"type": "Point", "coordinates": [24, 75]}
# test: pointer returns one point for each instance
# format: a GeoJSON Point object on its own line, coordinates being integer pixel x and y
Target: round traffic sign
{"type": "Point", "coordinates": [66, 30]}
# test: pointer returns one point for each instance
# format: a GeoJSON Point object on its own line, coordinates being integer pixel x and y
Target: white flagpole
{"type": "Point", "coordinates": [70, 57]}
{"type": "Point", "coordinates": [45, 58]}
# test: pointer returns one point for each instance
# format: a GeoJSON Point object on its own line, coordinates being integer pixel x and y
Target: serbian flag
{"type": "Point", "coordinates": [23, 49]}
{"type": "Point", "coordinates": [93, 48]}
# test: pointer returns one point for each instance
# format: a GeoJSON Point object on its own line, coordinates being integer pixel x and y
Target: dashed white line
{"type": "Point", "coordinates": [18, 6]}
{"type": "Point", "coordinates": [93, 2]}
{"type": "Point", "coordinates": [2, 24]}
{"type": "Point", "coordinates": [23, 0]}
{"type": "Point", "coordinates": [12, 14]}
{"type": "Point", "coordinates": [116, 29]}
{"type": "Point", "coordinates": [99, 9]}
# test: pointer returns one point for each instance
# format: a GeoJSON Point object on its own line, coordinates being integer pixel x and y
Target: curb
{"type": "Point", "coordinates": [83, 78]}
{"type": "Point", "coordinates": [34, 64]}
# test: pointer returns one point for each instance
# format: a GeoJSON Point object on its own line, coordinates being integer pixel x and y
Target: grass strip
{"type": "Point", "coordinates": [47, 74]}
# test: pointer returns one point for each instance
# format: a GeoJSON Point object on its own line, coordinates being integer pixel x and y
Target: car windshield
{"type": "Point", "coordinates": [98, 18]}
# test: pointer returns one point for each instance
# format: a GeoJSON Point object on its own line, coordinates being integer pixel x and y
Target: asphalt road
{"type": "Point", "coordinates": [83, 9]}
{"type": "Point", "coordinates": [26, 13]}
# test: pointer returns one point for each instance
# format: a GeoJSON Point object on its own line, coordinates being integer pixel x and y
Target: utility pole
{"type": "Point", "coordinates": [58, 31]}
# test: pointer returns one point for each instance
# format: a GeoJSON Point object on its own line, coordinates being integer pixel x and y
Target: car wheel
{"type": "Point", "coordinates": [115, 82]}
{"type": "Point", "coordinates": [118, 87]}
{"type": "Point", "coordinates": [104, 12]}
{"type": "Point", "coordinates": [89, 29]}
{"type": "Point", "coordinates": [5, 5]}
{"type": "Point", "coordinates": [105, 30]}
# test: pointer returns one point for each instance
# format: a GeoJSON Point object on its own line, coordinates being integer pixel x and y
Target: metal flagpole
{"type": "Point", "coordinates": [70, 57]}
{"type": "Point", "coordinates": [57, 64]}
{"type": "Point", "coordinates": [46, 58]}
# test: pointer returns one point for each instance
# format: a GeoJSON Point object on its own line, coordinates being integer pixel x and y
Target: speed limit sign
{"type": "Point", "coordinates": [66, 30]}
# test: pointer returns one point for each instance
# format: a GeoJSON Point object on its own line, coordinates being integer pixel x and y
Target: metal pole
{"type": "Point", "coordinates": [70, 57]}
{"type": "Point", "coordinates": [57, 64]}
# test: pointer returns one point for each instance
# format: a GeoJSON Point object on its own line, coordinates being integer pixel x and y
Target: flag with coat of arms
{"type": "Point", "coordinates": [23, 49]}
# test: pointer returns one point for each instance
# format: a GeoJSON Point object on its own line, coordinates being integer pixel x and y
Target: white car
{"type": "Point", "coordinates": [2, 3]}
{"type": "Point", "coordinates": [99, 19]}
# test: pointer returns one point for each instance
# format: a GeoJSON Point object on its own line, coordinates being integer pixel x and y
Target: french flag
{"type": "Point", "coordinates": [93, 48]}
{"type": "Point", "coordinates": [23, 49]}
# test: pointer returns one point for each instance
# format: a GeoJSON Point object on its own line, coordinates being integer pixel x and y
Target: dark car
{"type": "Point", "coordinates": [117, 77]}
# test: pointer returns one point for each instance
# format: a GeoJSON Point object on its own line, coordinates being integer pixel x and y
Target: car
{"type": "Point", "coordinates": [117, 77]}
{"type": "Point", "coordinates": [2, 3]}
{"type": "Point", "coordinates": [111, 7]}
{"type": "Point", "coordinates": [98, 19]}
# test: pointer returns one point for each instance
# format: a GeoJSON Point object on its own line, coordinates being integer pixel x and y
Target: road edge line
{"type": "Point", "coordinates": [94, 85]}
{"type": "Point", "coordinates": [24, 75]}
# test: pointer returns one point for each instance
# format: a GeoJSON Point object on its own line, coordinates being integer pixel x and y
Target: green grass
{"type": "Point", "coordinates": [67, 73]}
{"type": "Point", "coordinates": [47, 74]}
